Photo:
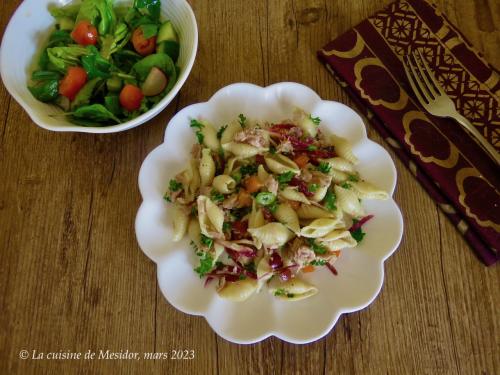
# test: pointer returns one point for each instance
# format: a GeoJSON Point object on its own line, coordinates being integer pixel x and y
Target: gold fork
{"type": "Point", "coordinates": [435, 101]}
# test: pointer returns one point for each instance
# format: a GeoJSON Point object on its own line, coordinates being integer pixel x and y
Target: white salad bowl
{"type": "Point", "coordinates": [360, 270]}
{"type": "Point", "coordinates": [29, 30]}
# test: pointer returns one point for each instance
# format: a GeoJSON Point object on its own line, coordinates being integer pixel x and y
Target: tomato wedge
{"type": "Point", "coordinates": [142, 45]}
{"type": "Point", "coordinates": [73, 81]}
{"type": "Point", "coordinates": [84, 33]}
{"type": "Point", "coordinates": [131, 97]}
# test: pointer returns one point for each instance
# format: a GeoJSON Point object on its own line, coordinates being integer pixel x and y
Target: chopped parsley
{"type": "Point", "coordinates": [265, 198]}
{"type": "Point", "coordinates": [324, 167]}
{"type": "Point", "coordinates": [285, 178]}
{"type": "Point", "coordinates": [318, 262]}
{"type": "Point", "coordinates": [216, 196]}
{"type": "Point", "coordinates": [272, 149]}
{"type": "Point", "coordinates": [207, 241]}
{"type": "Point", "coordinates": [242, 120]}
{"type": "Point", "coordinates": [242, 277]}
{"type": "Point", "coordinates": [174, 185]}
{"type": "Point", "coordinates": [221, 131]}
{"type": "Point", "coordinates": [317, 248]}
{"type": "Point", "coordinates": [226, 227]}
{"type": "Point", "coordinates": [357, 234]}
{"type": "Point", "coordinates": [330, 201]}
{"type": "Point", "coordinates": [311, 148]}
{"type": "Point", "coordinates": [315, 120]}
{"type": "Point", "coordinates": [248, 170]}
{"type": "Point", "coordinates": [273, 206]}
{"type": "Point", "coordinates": [193, 245]}
{"type": "Point", "coordinates": [206, 264]}
{"type": "Point", "coordinates": [282, 292]}
{"type": "Point", "coordinates": [250, 267]}
{"type": "Point", "coordinates": [167, 198]}
{"type": "Point", "coordinates": [198, 125]}
{"type": "Point", "coordinates": [313, 188]}
{"type": "Point", "coordinates": [345, 185]}
{"type": "Point", "coordinates": [353, 178]}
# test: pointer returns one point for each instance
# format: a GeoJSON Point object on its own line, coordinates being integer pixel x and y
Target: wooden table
{"type": "Point", "coordinates": [72, 276]}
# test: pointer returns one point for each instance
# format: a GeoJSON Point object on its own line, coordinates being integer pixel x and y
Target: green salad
{"type": "Point", "coordinates": [106, 64]}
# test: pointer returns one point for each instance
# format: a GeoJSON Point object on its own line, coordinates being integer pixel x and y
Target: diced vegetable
{"type": "Point", "coordinates": [131, 97]}
{"type": "Point", "coordinates": [143, 46]}
{"type": "Point", "coordinates": [85, 33]}
{"type": "Point", "coordinates": [74, 80]}
{"type": "Point", "coordinates": [253, 184]}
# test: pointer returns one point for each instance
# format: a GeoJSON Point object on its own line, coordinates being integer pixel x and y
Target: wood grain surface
{"type": "Point", "coordinates": [72, 276]}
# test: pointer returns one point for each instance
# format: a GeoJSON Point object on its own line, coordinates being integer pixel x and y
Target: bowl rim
{"type": "Point", "coordinates": [280, 334]}
{"type": "Point", "coordinates": [153, 112]}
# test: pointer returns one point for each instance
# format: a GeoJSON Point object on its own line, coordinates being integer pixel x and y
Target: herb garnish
{"type": "Point", "coordinates": [317, 248]}
{"type": "Point", "coordinates": [199, 126]}
{"type": "Point", "coordinates": [285, 178]}
{"type": "Point", "coordinates": [353, 178]}
{"type": "Point", "coordinates": [174, 185]}
{"type": "Point", "coordinates": [216, 196]}
{"type": "Point", "coordinates": [345, 185]}
{"type": "Point", "coordinates": [357, 234]}
{"type": "Point", "coordinates": [315, 120]}
{"type": "Point", "coordinates": [242, 120]}
{"type": "Point", "coordinates": [313, 188]}
{"type": "Point", "coordinates": [221, 131]}
{"type": "Point", "coordinates": [330, 201]}
{"type": "Point", "coordinates": [207, 241]}
{"type": "Point", "coordinates": [318, 262]}
{"type": "Point", "coordinates": [324, 167]}
{"type": "Point", "coordinates": [206, 264]}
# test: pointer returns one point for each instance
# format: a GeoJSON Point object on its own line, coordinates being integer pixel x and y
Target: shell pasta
{"type": "Point", "coordinates": [264, 203]}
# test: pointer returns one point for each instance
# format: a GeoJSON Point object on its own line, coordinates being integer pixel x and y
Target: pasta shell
{"type": "Point", "coordinates": [338, 176]}
{"type": "Point", "coordinates": [256, 218]}
{"type": "Point", "coordinates": [190, 180]}
{"type": "Point", "coordinates": [293, 194]}
{"type": "Point", "coordinates": [243, 150]}
{"type": "Point", "coordinates": [272, 234]}
{"type": "Point", "coordinates": [211, 217]}
{"type": "Point", "coordinates": [181, 220]}
{"type": "Point", "coordinates": [319, 194]}
{"type": "Point", "coordinates": [340, 164]}
{"type": "Point", "coordinates": [224, 184]}
{"type": "Point", "coordinates": [308, 126]}
{"type": "Point", "coordinates": [308, 211]}
{"type": "Point", "coordinates": [281, 164]}
{"type": "Point", "coordinates": [264, 272]}
{"type": "Point", "coordinates": [238, 291]}
{"type": "Point", "coordinates": [207, 167]}
{"type": "Point", "coordinates": [343, 148]}
{"type": "Point", "coordinates": [194, 231]}
{"type": "Point", "coordinates": [287, 216]}
{"type": "Point", "coordinates": [338, 239]}
{"type": "Point", "coordinates": [366, 190]}
{"type": "Point", "coordinates": [292, 290]}
{"type": "Point", "coordinates": [319, 227]}
{"type": "Point", "coordinates": [229, 133]}
{"type": "Point", "coordinates": [230, 165]}
{"type": "Point", "coordinates": [262, 174]}
{"type": "Point", "coordinates": [348, 201]}
{"type": "Point", "coordinates": [210, 136]}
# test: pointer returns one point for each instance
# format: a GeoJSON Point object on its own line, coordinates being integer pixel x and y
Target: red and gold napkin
{"type": "Point", "coordinates": [456, 172]}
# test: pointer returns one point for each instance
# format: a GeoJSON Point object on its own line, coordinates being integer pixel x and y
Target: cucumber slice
{"type": "Point", "coordinates": [170, 48]}
{"type": "Point", "coordinates": [167, 33]}
{"type": "Point", "coordinates": [114, 84]}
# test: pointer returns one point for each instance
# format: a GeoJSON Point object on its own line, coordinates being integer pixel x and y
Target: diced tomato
{"type": "Point", "coordinates": [142, 45]}
{"type": "Point", "coordinates": [131, 97]}
{"type": "Point", "coordinates": [302, 186]}
{"type": "Point", "coordinates": [84, 33]}
{"type": "Point", "coordinates": [73, 81]}
{"type": "Point", "coordinates": [301, 160]}
{"type": "Point", "coordinates": [253, 184]}
{"type": "Point", "coordinates": [308, 268]}
{"type": "Point", "coordinates": [239, 230]}
{"type": "Point", "coordinates": [321, 154]}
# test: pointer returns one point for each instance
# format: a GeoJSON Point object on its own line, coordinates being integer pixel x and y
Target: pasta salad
{"type": "Point", "coordinates": [264, 203]}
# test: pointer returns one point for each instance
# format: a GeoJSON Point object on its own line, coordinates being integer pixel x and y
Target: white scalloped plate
{"type": "Point", "coordinates": [360, 270]}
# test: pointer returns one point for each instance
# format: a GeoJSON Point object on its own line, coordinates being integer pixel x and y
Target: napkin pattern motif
{"type": "Point", "coordinates": [367, 61]}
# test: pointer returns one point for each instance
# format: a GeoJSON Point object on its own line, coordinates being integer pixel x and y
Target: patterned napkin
{"type": "Point", "coordinates": [456, 172]}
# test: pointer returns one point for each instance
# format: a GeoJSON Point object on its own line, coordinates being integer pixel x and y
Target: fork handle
{"type": "Point", "coordinates": [479, 138]}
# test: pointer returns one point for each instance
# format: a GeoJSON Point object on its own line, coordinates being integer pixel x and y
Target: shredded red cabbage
{"type": "Point", "coordinates": [360, 223]}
